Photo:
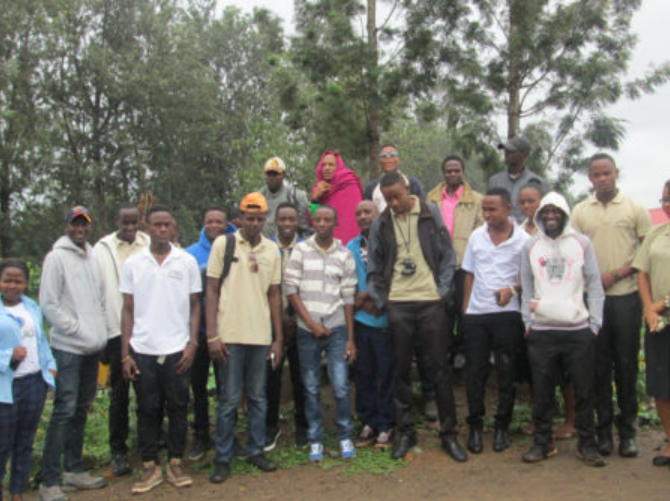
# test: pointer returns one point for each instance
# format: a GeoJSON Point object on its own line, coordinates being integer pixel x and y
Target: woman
{"type": "Point", "coordinates": [27, 367]}
{"type": "Point", "coordinates": [340, 188]}
{"type": "Point", "coordinates": [653, 280]}
{"type": "Point", "coordinates": [529, 200]}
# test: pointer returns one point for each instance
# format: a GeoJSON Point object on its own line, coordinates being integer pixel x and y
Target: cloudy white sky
{"type": "Point", "coordinates": [643, 159]}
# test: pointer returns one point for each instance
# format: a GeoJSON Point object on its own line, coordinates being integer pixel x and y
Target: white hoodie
{"type": "Point", "coordinates": [556, 273]}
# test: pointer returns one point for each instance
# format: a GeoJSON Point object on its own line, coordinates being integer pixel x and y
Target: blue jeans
{"type": "Point", "coordinates": [246, 365]}
{"type": "Point", "coordinates": [309, 354]}
{"type": "Point", "coordinates": [76, 384]}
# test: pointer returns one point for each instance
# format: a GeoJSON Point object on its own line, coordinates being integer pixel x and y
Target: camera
{"type": "Point", "coordinates": [408, 267]}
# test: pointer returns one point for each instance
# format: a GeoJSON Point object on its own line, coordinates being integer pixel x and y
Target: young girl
{"type": "Point", "coordinates": [27, 367]}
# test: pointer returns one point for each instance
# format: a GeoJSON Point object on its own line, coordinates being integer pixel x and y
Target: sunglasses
{"type": "Point", "coordinates": [393, 154]}
{"type": "Point", "coordinates": [273, 173]}
{"type": "Point", "coordinates": [253, 262]}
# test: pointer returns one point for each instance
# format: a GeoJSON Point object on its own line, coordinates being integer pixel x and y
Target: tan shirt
{"type": "Point", "coordinates": [654, 259]}
{"type": "Point", "coordinates": [615, 230]}
{"type": "Point", "coordinates": [421, 285]}
{"type": "Point", "coordinates": [124, 250]}
{"type": "Point", "coordinates": [244, 309]}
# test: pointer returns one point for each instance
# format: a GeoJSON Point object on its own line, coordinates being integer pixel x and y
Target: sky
{"type": "Point", "coordinates": [643, 161]}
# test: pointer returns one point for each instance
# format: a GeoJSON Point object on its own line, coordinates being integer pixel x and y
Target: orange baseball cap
{"type": "Point", "coordinates": [254, 203]}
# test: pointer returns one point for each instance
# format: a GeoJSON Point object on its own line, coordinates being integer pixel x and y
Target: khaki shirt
{"type": "Point", "coordinates": [615, 230]}
{"type": "Point", "coordinates": [421, 285]}
{"type": "Point", "coordinates": [244, 309]}
{"type": "Point", "coordinates": [653, 258]}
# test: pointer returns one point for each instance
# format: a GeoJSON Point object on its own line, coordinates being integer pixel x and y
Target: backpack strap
{"type": "Point", "coordinates": [228, 258]}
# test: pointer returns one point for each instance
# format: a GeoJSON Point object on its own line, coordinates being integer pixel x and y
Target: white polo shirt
{"type": "Point", "coordinates": [162, 299]}
{"type": "Point", "coordinates": [494, 268]}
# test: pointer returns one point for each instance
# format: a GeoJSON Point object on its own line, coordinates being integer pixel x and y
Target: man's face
{"type": "Point", "coordinates": [366, 212]}
{"type": "Point", "coordinates": [324, 222]}
{"type": "Point", "coordinates": [128, 222]}
{"type": "Point", "coordinates": [274, 180]}
{"type": "Point", "coordinates": [553, 220]}
{"type": "Point", "coordinates": [603, 176]}
{"type": "Point", "coordinates": [495, 210]}
{"type": "Point", "coordinates": [453, 173]}
{"type": "Point", "coordinates": [389, 159]}
{"type": "Point", "coordinates": [215, 224]}
{"type": "Point", "coordinates": [287, 223]}
{"type": "Point", "coordinates": [515, 158]}
{"type": "Point", "coordinates": [252, 224]}
{"type": "Point", "coordinates": [160, 227]}
{"type": "Point", "coordinates": [78, 230]}
{"type": "Point", "coordinates": [397, 198]}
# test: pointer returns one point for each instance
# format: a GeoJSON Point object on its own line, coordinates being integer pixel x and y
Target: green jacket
{"type": "Point", "coordinates": [468, 216]}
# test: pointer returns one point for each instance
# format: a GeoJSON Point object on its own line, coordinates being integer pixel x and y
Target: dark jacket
{"type": "Point", "coordinates": [415, 188]}
{"type": "Point", "coordinates": [435, 244]}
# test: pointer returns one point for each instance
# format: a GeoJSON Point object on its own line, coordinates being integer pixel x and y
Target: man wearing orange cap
{"type": "Point", "coordinates": [276, 191]}
{"type": "Point", "coordinates": [242, 306]}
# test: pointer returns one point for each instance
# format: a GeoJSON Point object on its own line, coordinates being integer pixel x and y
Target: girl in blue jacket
{"type": "Point", "coordinates": [27, 368]}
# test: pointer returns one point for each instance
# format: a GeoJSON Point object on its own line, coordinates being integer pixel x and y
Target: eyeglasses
{"type": "Point", "coordinates": [392, 154]}
{"type": "Point", "coordinates": [665, 200]}
{"type": "Point", "coordinates": [273, 173]}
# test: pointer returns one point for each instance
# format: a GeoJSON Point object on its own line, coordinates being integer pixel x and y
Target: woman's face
{"type": "Point", "coordinates": [529, 201]}
{"type": "Point", "coordinates": [13, 283]}
{"type": "Point", "coordinates": [328, 167]}
{"type": "Point", "coordinates": [666, 205]}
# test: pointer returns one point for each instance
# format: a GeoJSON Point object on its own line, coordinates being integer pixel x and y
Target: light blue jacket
{"type": "Point", "coordinates": [10, 337]}
{"type": "Point", "coordinates": [380, 322]}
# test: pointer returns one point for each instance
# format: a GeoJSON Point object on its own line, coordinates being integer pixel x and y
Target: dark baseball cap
{"type": "Point", "coordinates": [78, 211]}
{"type": "Point", "coordinates": [515, 144]}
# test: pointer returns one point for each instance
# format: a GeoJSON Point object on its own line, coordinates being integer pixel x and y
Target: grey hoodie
{"type": "Point", "coordinates": [72, 299]}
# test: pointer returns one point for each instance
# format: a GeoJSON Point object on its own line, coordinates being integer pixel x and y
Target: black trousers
{"type": "Point", "coordinates": [199, 378]}
{"type": "Point", "coordinates": [617, 351]}
{"type": "Point", "coordinates": [118, 399]}
{"type": "Point", "coordinates": [425, 323]}
{"type": "Point", "coordinates": [455, 316]}
{"type": "Point", "coordinates": [502, 333]}
{"type": "Point", "coordinates": [273, 391]}
{"type": "Point", "coordinates": [573, 352]}
{"type": "Point", "coordinates": [158, 385]}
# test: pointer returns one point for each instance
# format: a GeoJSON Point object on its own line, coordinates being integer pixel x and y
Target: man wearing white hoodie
{"type": "Point", "coordinates": [72, 299]}
{"type": "Point", "coordinates": [558, 268]}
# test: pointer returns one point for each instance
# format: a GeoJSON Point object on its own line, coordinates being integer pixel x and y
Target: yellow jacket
{"type": "Point", "coordinates": [468, 216]}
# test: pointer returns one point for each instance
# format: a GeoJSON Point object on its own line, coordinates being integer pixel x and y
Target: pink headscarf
{"type": "Point", "coordinates": [344, 195]}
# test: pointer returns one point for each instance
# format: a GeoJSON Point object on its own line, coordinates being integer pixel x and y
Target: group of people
{"type": "Point", "coordinates": [377, 276]}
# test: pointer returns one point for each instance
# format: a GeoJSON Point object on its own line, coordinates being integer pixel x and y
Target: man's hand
{"type": "Point", "coordinates": [319, 330]}
{"type": "Point", "coordinates": [275, 355]}
{"type": "Point", "coordinates": [187, 358]}
{"type": "Point", "coordinates": [651, 314]}
{"type": "Point", "coordinates": [503, 296]}
{"type": "Point", "coordinates": [130, 370]}
{"type": "Point", "coordinates": [532, 304]}
{"type": "Point", "coordinates": [607, 280]}
{"type": "Point", "coordinates": [350, 352]}
{"type": "Point", "coordinates": [217, 350]}
{"type": "Point", "coordinates": [19, 353]}
{"type": "Point", "coordinates": [53, 373]}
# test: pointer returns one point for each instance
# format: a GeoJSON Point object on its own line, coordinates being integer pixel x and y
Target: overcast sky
{"type": "Point", "coordinates": [643, 158]}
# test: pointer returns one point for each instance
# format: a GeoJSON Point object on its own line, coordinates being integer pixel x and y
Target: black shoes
{"type": "Point", "coordinates": [261, 462]}
{"type": "Point", "coordinates": [500, 440]}
{"type": "Point", "coordinates": [661, 461]}
{"type": "Point", "coordinates": [591, 456]}
{"type": "Point", "coordinates": [628, 448]}
{"type": "Point", "coordinates": [537, 453]}
{"type": "Point", "coordinates": [605, 444]}
{"type": "Point", "coordinates": [220, 472]}
{"type": "Point", "coordinates": [475, 441]}
{"type": "Point", "coordinates": [402, 446]}
{"type": "Point", "coordinates": [451, 446]}
{"type": "Point", "coordinates": [120, 465]}
{"type": "Point", "coordinates": [198, 448]}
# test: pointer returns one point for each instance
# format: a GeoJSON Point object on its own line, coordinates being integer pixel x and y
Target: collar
{"type": "Point", "coordinates": [618, 198]}
{"type": "Point", "coordinates": [516, 176]}
{"type": "Point", "coordinates": [242, 240]}
{"type": "Point", "coordinates": [456, 196]}
{"type": "Point", "coordinates": [333, 246]}
{"type": "Point", "coordinates": [290, 245]}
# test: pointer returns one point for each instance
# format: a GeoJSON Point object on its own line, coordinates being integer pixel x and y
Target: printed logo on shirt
{"type": "Point", "coordinates": [176, 274]}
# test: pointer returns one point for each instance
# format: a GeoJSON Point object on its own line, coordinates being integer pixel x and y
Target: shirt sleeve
{"type": "Point", "coordinates": [527, 284]}
{"type": "Point", "coordinates": [643, 224]}
{"type": "Point", "coordinates": [126, 278]}
{"type": "Point", "coordinates": [195, 279]}
{"type": "Point", "coordinates": [293, 274]}
{"type": "Point", "coordinates": [641, 261]}
{"type": "Point", "coordinates": [349, 278]}
{"type": "Point", "coordinates": [215, 262]}
{"type": "Point", "coordinates": [276, 269]}
{"type": "Point", "coordinates": [468, 263]}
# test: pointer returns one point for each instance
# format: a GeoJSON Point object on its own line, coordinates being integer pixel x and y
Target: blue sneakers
{"type": "Point", "coordinates": [347, 449]}
{"type": "Point", "coordinates": [316, 452]}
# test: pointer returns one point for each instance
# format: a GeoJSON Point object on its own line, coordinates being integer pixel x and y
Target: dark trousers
{"type": "Point", "coordinates": [617, 351]}
{"type": "Point", "coordinates": [18, 422]}
{"type": "Point", "coordinates": [158, 385]}
{"type": "Point", "coordinates": [455, 317]}
{"type": "Point", "coordinates": [502, 333]}
{"type": "Point", "coordinates": [551, 352]}
{"type": "Point", "coordinates": [423, 322]}
{"type": "Point", "coordinates": [374, 377]}
{"type": "Point", "coordinates": [118, 399]}
{"type": "Point", "coordinates": [273, 391]}
{"type": "Point", "coordinates": [199, 378]}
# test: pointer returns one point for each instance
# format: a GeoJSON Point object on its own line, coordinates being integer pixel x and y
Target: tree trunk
{"type": "Point", "coordinates": [5, 221]}
{"type": "Point", "coordinates": [374, 116]}
{"type": "Point", "coordinates": [514, 77]}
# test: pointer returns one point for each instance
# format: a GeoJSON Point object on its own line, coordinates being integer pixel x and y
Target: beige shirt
{"type": "Point", "coordinates": [124, 249]}
{"type": "Point", "coordinates": [654, 259]}
{"type": "Point", "coordinates": [421, 285]}
{"type": "Point", "coordinates": [615, 230]}
{"type": "Point", "coordinates": [244, 309]}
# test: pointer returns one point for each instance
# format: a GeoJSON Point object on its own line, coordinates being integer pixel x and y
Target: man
{"type": "Point", "coordinates": [286, 218]}
{"type": "Point", "coordinates": [461, 210]}
{"type": "Point", "coordinates": [558, 269]}
{"type": "Point", "coordinates": [72, 299]}
{"type": "Point", "coordinates": [215, 224]}
{"type": "Point", "coordinates": [517, 175]}
{"type": "Point", "coordinates": [320, 285]}
{"type": "Point", "coordinates": [159, 328]}
{"type": "Point", "coordinates": [389, 160]}
{"type": "Point", "coordinates": [374, 367]}
{"type": "Point", "coordinates": [616, 225]}
{"type": "Point", "coordinates": [276, 191]}
{"type": "Point", "coordinates": [410, 270]}
{"type": "Point", "coordinates": [243, 305]}
{"type": "Point", "coordinates": [110, 253]}
{"type": "Point", "coordinates": [492, 320]}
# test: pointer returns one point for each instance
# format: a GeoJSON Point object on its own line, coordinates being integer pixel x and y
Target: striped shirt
{"type": "Point", "coordinates": [324, 280]}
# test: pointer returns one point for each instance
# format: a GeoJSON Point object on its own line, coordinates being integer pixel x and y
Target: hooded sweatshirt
{"type": "Point", "coordinates": [72, 299]}
{"type": "Point", "coordinates": [555, 273]}
{"type": "Point", "coordinates": [202, 248]}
